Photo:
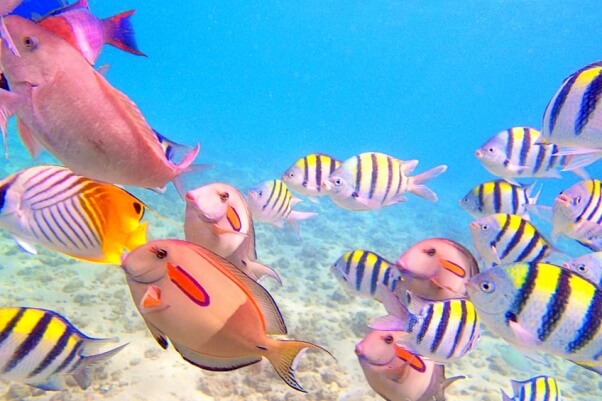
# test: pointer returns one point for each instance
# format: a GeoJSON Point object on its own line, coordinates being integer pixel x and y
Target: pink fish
{"type": "Point", "coordinates": [396, 374]}
{"type": "Point", "coordinates": [64, 105]}
{"type": "Point", "coordinates": [87, 33]}
{"type": "Point", "coordinates": [218, 218]}
{"type": "Point", "coordinates": [440, 268]}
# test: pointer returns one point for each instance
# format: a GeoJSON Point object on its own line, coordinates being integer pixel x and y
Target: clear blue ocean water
{"type": "Point", "coordinates": [262, 83]}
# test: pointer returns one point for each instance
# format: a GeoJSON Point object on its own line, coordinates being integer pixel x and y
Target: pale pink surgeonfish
{"type": "Point", "coordinates": [439, 267]}
{"type": "Point", "coordinates": [88, 33]}
{"type": "Point", "coordinates": [64, 105]}
{"type": "Point", "coordinates": [216, 316]}
{"type": "Point", "coordinates": [218, 218]}
{"type": "Point", "coordinates": [396, 374]}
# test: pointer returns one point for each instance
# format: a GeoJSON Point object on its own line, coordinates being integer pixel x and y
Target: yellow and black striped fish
{"type": "Point", "coordinates": [308, 174]}
{"type": "Point", "coordinates": [503, 238]}
{"type": "Point", "coordinates": [372, 180]}
{"type": "Point", "coordinates": [499, 197]}
{"type": "Point", "coordinates": [362, 271]}
{"type": "Point", "coordinates": [544, 308]}
{"type": "Point", "coordinates": [40, 347]}
{"type": "Point", "coordinates": [85, 219]}
{"type": "Point", "coordinates": [539, 388]}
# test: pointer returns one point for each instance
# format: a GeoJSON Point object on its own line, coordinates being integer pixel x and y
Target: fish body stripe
{"type": "Point", "coordinates": [56, 350]}
{"type": "Point", "coordinates": [505, 224]}
{"type": "Point", "coordinates": [305, 168]}
{"type": "Point", "coordinates": [425, 324]}
{"type": "Point", "coordinates": [374, 175]}
{"type": "Point", "coordinates": [376, 269]}
{"type": "Point", "coordinates": [11, 324]}
{"type": "Point", "coordinates": [441, 328]}
{"type": "Point", "coordinates": [31, 342]}
{"type": "Point", "coordinates": [590, 325]}
{"type": "Point", "coordinates": [509, 144]}
{"type": "Point", "coordinates": [272, 185]}
{"type": "Point", "coordinates": [459, 329]}
{"type": "Point", "coordinates": [389, 178]}
{"type": "Point", "coordinates": [70, 357]}
{"type": "Point", "coordinates": [593, 201]}
{"type": "Point", "coordinates": [359, 273]}
{"type": "Point", "coordinates": [589, 101]}
{"type": "Point", "coordinates": [559, 102]}
{"type": "Point", "coordinates": [556, 306]}
{"type": "Point", "coordinates": [525, 285]}
{"type": "Point", "coordinates": [525, 148]}
{"type": "Point", "coordinates": [358, 176]}
{"type": "Point", "coordinates": [516, 237]}
{"type": "Point", "coordinates": [318, 172]}
{"type": "Point", "coordinates": [541, 154]}
{"type": "Point", "coordinates": [531, 245]}
{"type": "Point", "coordinates": [497, 197]}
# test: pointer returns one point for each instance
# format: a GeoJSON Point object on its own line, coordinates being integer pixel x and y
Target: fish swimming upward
{"type": "Point", "coordinates": [64, 105]}
{"type": "Point", "coordinates": [40, 347]}
{"type": "Point", "coordinates": [218, 218]}
{"type": "Point", "coordinates": [215, 315]}
{"type": "Point", "coordinates": [53, 207]}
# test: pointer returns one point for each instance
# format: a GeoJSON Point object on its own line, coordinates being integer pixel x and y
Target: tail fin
{"type": "Point", "coordinates": [415, 183]}
{"type": "Point", "coordinates": [81, 372]}
{"type": "Point", "coordinates": [119, 32]}
{"type": "Point", "coordinates": [297, 216]}
{"type": "Point", "coordinates": [259, 271]}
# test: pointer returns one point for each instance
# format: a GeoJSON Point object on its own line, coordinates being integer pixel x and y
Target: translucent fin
{"type": "Point", "coordinates": [415, 183]}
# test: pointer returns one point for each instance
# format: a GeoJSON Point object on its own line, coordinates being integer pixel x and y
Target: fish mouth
{"type": "Point", "coordinates": [478, 154]}
{"type": "Point", "coordinates": [473, 225]}
{"type": "Point", "coordinates": [563, 199]}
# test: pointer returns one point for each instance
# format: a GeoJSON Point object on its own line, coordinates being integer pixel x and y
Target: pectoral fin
{"type": "Point", "coordinates": [151, 300]}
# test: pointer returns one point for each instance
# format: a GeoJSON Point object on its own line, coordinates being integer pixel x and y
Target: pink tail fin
{"type": "Point", "coordinates": [119, 32]}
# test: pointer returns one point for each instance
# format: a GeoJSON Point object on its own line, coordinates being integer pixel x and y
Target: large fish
{"type": "Point", "coordinates": [53, 207]}
{"type": "Point", "coordinates": [64, 105]}
{"type": "Point", "coordinates": [40, 347]}
{"type": "Point", "coordinates": [215, 315]}
{"type": "Point", "coordinates": [542, 307]}
{"type": "Point", "coordinates": [218, 218]}
{"type": "Point", "coordinates": [398, 375]}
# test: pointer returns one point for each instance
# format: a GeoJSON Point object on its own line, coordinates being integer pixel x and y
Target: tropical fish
{"type": "Point", "coordinates": [577, 213]}
{"type": "Point", "coordinates": [218, 218]}
{"type": "Point", "coordinates": [372, 180]}
{"type": "Point", "coordinates": [539, 388]}
{"type": "Point", "coordinates": [272, 202]}
{"type": "Point", "coordinates": [507, 238]}
{"type": "Point", "coordinates": [589, 266]}
{"type": "Point", "coordinates": [40, 347]}
{"type": "Point", "coordinates": [216, 317]}
{"type": "Point", "coordinates": [64, 105]}
{"type": "Point", "coordinates": [573, 118]}
{"type": "Point", "coordinates": [88, 33]}
{"type": "Point", "coordinates": [443, 331]}
{"type": "Point", "coordinates": [439, 268]}
{"type": "Point", "coordinates": [398, 375]}
{"type": "Point", "coordinates": [53, 207]}
{"type": "Point", "coordinates": [499, 197]}
{"type": "Point", "coordinates": [361, 271]}
{"type": "Point", "coordinates": [540, 307]}
{"type": "Point", "coordinates": [521, 152]}
{"type": "Point", "coordinates": [309, 173]}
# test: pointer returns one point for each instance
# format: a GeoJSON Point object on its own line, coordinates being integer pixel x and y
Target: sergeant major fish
{"type": "Point", "coordinates": [588, 265]}
{"type": "Point", "coordinates": [40, 347]}
{"type": "Point", "coordinates": [308, 174]}
{"type": "Point", "coordinates": [539, 388]}
{"type": "Point", "coordinates": [372, 180]}
{"type": "Point", "coordinates": [53, 207]}
{"type": "Point", "coordinates": [499, 197]}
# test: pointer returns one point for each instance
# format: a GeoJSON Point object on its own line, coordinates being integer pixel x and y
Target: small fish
{"type": "Point", "coordinates": [577, 213]}
{"type": "Point", "coordinates": [218, 218]}
{"type": "Point", "coordinates": [507, 238]}
{"type": "Point", "coordinates": [361, 271]}
{"type": "Point", "coordinates": [272, 202]}
{"type": "Point", "coordinates": [371, 180]}
{"type": "Point", "coordinates": [540, 307]}
{"type": "Point", "coordinates": [308, 174]}
{"type": "Point", "coordinates": [88, 33]}
{"type": "Point", "coordinates": [499, 197]}
{"type": "Point", "coordinates": [398, 375]}
{"type": "Point", "coordinates": [439, 268]}
{"type": "Point", "coordinates": [53, 207]}
{"type": "Point", "coordinates": [521, 152]}
{"type": "Point", "coordinates": [589, 266]}
{"type": "Point", "coordinates": [443, 331]}
{"type": "Point", "coordinates": [40, 347]}
{"type": "Point", "coordinates": [539, 388]}
{"type": "Point", "coordinates": [216, 317]}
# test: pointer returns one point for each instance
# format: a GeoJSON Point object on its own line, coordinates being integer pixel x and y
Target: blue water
{"type": "Point", "coordinates": [261, 83]}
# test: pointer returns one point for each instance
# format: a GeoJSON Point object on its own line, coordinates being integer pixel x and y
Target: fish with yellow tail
{"type": "Point", "coordinates": [67, 213]}
{"type": "Point", "coordinates": [398, 375]}
{"type": "Point", "coordinates": [41, 348]}
{"type": "Point", "coordinates": [538, 388]}
{"type": "Point", "coordinates": [219, 219]}
{"type": "Point", "coordinates": [540, 307]}
{"type": "Point", "coordinates": [216, 316]}
{"type": "Point", "coordinates": [373, 180]}
{"type": "Point", "coordinates": [309, 173]}
{"type": "Point", "coordinates": [65, 106]}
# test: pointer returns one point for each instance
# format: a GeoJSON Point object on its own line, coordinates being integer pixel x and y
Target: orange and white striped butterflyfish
{"type": "Point", "coordinates": [216, 316]}
{"type": "Point", "coordinates": [67, 213]}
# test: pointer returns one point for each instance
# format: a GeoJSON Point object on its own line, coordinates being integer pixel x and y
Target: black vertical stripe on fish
{"type": "Point", "coordinates": [502, 232]}
{"type": "Point", "coordinates": [39, 181]}
{"type": "Point", "coordinates": [400, 182]}
{"type": "Point", "coordinates": [425, 324]}
{"type": "Point", "coordinates": [3, 190]}
{"type": "Point", "coordinates": [546, 389]}
{"type": "Point", "coordinates": [556, 306]}
{"type": "Point", "coordinates": [56, 350]}
{"type": "Point", "coordinates": [459, 329]}
{"type": "Point", "coordinates": [559, 101]}
{"type": "Point", "coordinates": [40, 227]}
{"type": "Point", "coordinates": [348, 264]}
{"type": "Point", "coordinates": [387, 276]}
{"type": "Point", "coordinates": [541, 154]}
{"type": "Point", "coordinates": [441, 327]}
{"type": "Point", "coordinates": [306, 170]}
{"type": "Point", "coordinates": [481, 197]}
{"type": "Point", "coordinates": [530, 245]}
{"type": "Point", "coordinates": [389, 177]}
{"type": "Point", "coordinates": [590, 325]}
{"type": "Point", "coordinates": [75, 225]}
{"type": "Point", "coordinates": [48, 188]}
{"type": "Point", "coordinates": [497, 197]}
{"type": "Point", "coordinates": [273, 189]}
{"type": "Point", "coordinates": [58, 196]}
{"type": "Point", "coordinates": [333, 165]}
{"type": "Point", "coordinates": [374, 176]}
{"type": "Point", "coordinates": [525, 148]}
{"type": "Point", "coordinates": [595, 199]}
{"type": "Point", "coordinates": [591, 198]}
{"type": "Point", "coordinates": [87, 229]}
{"type": "Point", "coordinates": [473, 329]}
{"type": "Point", "coordinates": [515, 240]}
{"type": "Point", "coordinates": [509, 144]}
{"type": "Point", "coordinates": [282, 200]}
{"type": "Point", "coordinates": [358, 175]}
{"type": "Point", "coordinates": [278, 201]}
{"type": "Point", "coordinates": [318, 172]}
{"type": "Point", "coordinates": [515, 200]}
{"type": "Point", "coordinates": [31, 342]}
{"type": "Point", "coordinates": [523, 294]}
{"type": "Point", "coordinates": [359, 273]}
{"type": "Point", "coordinates": [374, 278]}
{"type": "Point", "coordinates": [74, 352]}
{"type": "Point", "coordinates": [589, 101]}
{"type": "Point", "coordinates": [8, 329]}
{"type": "Point", "coordinates": [48, 221]}
{"type": "Point", "coordinates": [62, 224]}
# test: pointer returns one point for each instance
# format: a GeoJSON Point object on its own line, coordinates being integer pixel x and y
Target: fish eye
{"type": "Point", "coordinates": [224, 196]}
{"type": "Point", "coordinates": [577, 200]}
{"type": "Point", "coordinates": [291, 174]}
{"type": "Point", "coordinates": [487, 287]}
{"type": "Point", "coordinates": [430, 251]}
{"type": "Point", "coordinates": [160, 253]}
{"type": "Point", "coordinates": [581, 267]}
{"type": "Point", "coordinates": [260, 193]}
{"type": "Point", "coordinates": [388, 339]}
{"type": "Point", "coordinates": [484, 227]}
{"type": "Point", "coordinates": [337, 182]}
{"type": "Point", "coordinates": [30, 43]}
{"type": "Point", "coordinates": [490, 150]}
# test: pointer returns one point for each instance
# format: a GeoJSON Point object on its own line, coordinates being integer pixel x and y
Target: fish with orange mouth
{"type": "Point", "coordinates": [216, 317]}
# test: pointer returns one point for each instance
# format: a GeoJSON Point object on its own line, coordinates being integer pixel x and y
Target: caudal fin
{"type": "Point", "coordinates": [415, 183]}
{"type": "Point", "coordinates": [119, 32]}
{"type": "Point", "coordinates": [81, 372]}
